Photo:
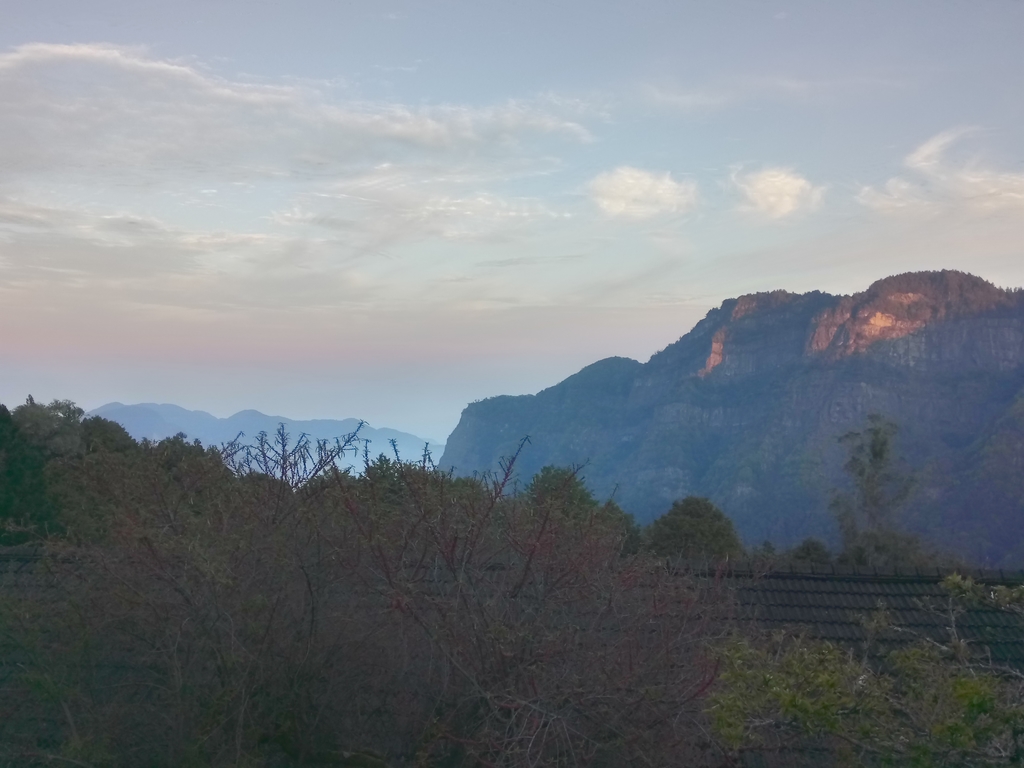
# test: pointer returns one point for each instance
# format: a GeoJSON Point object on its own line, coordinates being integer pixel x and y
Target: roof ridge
{"type": "Point", "coordinates": [834, 572]}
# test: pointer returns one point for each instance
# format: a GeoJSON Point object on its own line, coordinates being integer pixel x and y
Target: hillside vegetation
{"type": "Point", "coordinates": [746, 410]}
{"type": "Point", "coordinates": [174, 605]}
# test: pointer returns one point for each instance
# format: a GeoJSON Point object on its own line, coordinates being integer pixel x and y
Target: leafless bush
{"type": "Point", "coordinates": [287, 613]}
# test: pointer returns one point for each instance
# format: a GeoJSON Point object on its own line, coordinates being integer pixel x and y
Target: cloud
{"type": "Point", "coordinates": [778, 192]}
{"type": "Point", "coordinates": [688, 100]}
{"type": "Point", "coordinates": [65, 261]}
{"type": "Point", "coordinates": [633, 193]}
{"type": "Point", "coordinates": [732, 92]}
{"type": "Point", "coordinates": [83, 108]}
{"type": "Point", "coordinates": [936, 184]}
{"type": "Point", "coordinates": [154, 182]}
{"type": "Point", "coordinates": [390, 205]}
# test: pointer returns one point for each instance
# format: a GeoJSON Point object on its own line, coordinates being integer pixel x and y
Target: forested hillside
{"type": "Point", "coordinates": [747, 407]}
{"type": "Point", "coordinates": [165, 604]}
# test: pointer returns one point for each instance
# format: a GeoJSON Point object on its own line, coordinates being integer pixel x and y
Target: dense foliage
{"type": "Point", "coordinates": [694, 528]}
{"type": "Point", "coordinates": [256, 605]}
{"type": "Point", "coordinates": [23, 495]}
{"type": "Point", "coordinates": [927, 704]}
{"type": "Point", "coordinates": [930, 707]}
{"type": "Point", "coordinates": [170, 604]}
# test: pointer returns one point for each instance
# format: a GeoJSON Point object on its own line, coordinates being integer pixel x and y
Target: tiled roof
{"type": "Point", "coordinates": [19, 569]}
{"type": "Point", "coordinates": [834, 603]}
{"type": "Point", "coordinates": [823, 602]}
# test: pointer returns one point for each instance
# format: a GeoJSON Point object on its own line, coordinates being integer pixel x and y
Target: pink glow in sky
{"type": "Point", "coordinates": [333, 210]}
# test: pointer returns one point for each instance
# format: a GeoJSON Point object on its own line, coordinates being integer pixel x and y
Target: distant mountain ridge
{"type": "Point", "coordinates": [154, 421]}
{"type": "Point", "coordinates": [747, 407]}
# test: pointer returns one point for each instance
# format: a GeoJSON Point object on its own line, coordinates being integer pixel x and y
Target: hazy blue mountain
{"type": "Point", "coordinates": [155, 421]}
{"type": "Point", "coordinates": [747, 407]}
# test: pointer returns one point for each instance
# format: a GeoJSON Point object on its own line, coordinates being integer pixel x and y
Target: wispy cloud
{"type": "Point", "coordinates": [777, 193]}
{"type": "Point", "coordinates": [935, 183]}
{"type": "Point", "coordinates": [88, 107]}
{"type": "Point", "coordinates": [688, 100]}
{"type": "Point", "coordinates": [633, 193]}
{"type": "Point", "coordinates": [735, 91]}
{"type": "Point", "coordinates": [388, 205]}
{"type": "Point", "coordinates": [158, 183]}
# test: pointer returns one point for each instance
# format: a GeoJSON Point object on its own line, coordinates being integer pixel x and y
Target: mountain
{"type": "Point", "coordinates": [747, 407]}
{"type": "Point", "coordinates": [155, 422]}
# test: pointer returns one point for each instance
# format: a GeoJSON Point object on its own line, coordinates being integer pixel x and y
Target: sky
{"type": "Point", "coordinates": [327, 209]}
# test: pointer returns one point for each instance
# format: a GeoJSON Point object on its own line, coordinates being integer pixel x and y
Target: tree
{"type": "Point", "coordinates": [879, 490]}
{"type": "Point", "coordinates": [24, 504]}
{"type": "Point", "coordinates": [868, 517]}
{"type": "Point", "coordinates": [99, 434]}
{"type": "Point", "coordinates": [562, 490]}
{"type": "Point", "coordinates": [693, 528]}
{"type": "Point", "coordinates": [56, 428]}
{"type": "Point", "coordinates": [811, 551]}
{"type": "Point", "coordinates": [53, 460]}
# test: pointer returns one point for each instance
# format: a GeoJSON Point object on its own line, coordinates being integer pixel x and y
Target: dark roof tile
{"type": "Point", "coordinates": [834, 602]}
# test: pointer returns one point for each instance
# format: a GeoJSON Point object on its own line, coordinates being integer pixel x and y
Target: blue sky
{"type": "Point", "coordinates": [328, 209]}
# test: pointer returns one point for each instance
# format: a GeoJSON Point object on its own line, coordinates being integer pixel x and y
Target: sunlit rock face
{"type": "Point", "coordinates": [747, 407]}
{"type": "Point", "coordinates": [900, 306]}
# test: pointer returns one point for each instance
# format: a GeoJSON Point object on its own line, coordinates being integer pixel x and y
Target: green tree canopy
{"type": "Point", "coordinates": [693, 528]}
{"type": "Point", "coordinates": [23, 498]}
{"type": "Point", "coordinates": [56, 428]}
{"type": "Point", "coordinates": [812, 551]}
{"type": "Point", "coordinates": [879, 489]}
{"type": "Point", "coordinates": [99, 434]}
{"type": "Point", "coordinates": [931, 704]}
{"type": "Point", "coordinates": [868, 516]}
{"type": "Point", "coordinates": [562, 491]}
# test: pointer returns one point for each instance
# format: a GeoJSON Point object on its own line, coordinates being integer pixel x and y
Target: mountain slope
{"type": "Point", "coordinates": [747, 407]}
{"type": "Point", "coordinates": [154, 421]}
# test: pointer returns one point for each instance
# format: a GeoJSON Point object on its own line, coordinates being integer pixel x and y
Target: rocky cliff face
{"type": "Point", "coordinates": [747, 407]}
